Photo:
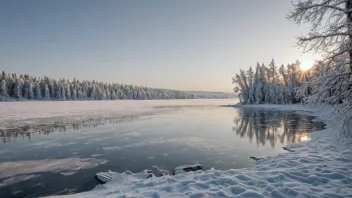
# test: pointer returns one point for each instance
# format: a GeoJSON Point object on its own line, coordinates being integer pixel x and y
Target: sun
{"type": "Point", "coordinates": [306, 65]}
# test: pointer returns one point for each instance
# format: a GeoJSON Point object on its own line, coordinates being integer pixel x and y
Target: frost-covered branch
{"type": "Point", "coordinates": [331, 36]}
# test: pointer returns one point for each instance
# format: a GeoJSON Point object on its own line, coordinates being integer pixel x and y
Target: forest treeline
{"type": "Point", "coordinates": [273, 84]}
{"type": "Point", "coordinates": [26, 87]}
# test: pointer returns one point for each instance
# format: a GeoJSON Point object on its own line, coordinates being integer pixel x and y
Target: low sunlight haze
{"type": "Point", "coordinates": [185, 45]}
{"type": "Point", "coordinates": [175, 98]}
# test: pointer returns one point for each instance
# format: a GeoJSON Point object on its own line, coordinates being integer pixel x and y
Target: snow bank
{"type": "Point", "coordinates": [319, 111]}
{"type": "Point", "coordinates": [321, 167]}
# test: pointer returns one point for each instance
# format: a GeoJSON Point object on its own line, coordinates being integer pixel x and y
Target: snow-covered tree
{"type": "Point", "coordinates": [46, 92]}
{"type": "Point", "coordinates": [38, 92]}
{"type": "Point", "coordinates": [107, 93]}
{"type": "Point", "coordinates": [74, 93]}
{"type": "Point", "coordinates": [17, 91]}
{"type": "Point", "coordinates": [31, 92]}
{"type": "Point", "coordinates": [268, 84]}
{"type": "Point", "coordinates": [272, 70]}
{"type": "Point", "coordinates": [241, 89]}
{"type": "Point", "coordinates": [258, 85]}
{"type": "Point", "coordinates": [93, 93]}
{"type": "Point", "coordinates": [51, 87]}
{"type": "Point", "coordinates": [63, 92]}
{"type": "Point", "coordinates": [68, 92]}
{"type": "Point", "coordinates": [3, 91]}
{"type": "Point", "coordinates": [57, 90]}
{"type": "Point", "coordinates": [26, 89]}
{"type": "Point", "coordinates": [251, 86]}
{"type": "Point", "coordinates": [80, 95]}
{"type": "Point", "coordinates": [100, 94]}
{"type": "Point", "coordinates": [113, 94]}
{"type": "Point", "coordinates": [330, 35]}
{"type": "Point", "coordinates": [330, 32]}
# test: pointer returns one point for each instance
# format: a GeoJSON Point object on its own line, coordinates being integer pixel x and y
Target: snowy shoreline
{"type": "Point", "coordinates": [317, 168]}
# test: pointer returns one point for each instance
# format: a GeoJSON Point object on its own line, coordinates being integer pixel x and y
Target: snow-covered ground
{"type": "Point", "coordinates": [321, 167]}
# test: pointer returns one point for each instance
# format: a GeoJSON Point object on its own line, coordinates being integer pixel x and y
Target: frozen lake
{"type": "Point", "coordinates": [57, 147]}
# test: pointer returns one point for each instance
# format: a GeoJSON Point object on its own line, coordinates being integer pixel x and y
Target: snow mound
{"type": "Point", "coordinates": [321, 167]}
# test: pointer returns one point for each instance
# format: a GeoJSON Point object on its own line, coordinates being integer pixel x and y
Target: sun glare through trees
{"type": "Point", "coordinates": [306, 65]}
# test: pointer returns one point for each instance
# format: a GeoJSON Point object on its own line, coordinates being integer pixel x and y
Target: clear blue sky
{"type": "Point", "coordinates": [180, 44]}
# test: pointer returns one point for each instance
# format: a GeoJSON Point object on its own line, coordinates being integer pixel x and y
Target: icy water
{"type": "Point", "coordinates": [62, 156]}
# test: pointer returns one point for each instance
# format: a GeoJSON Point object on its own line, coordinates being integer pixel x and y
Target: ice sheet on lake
{"type": "Point", "coordinates": [15, 179]}
{"type": "Point", "coordinates": [317, 168]}
{"type": "Point", "coordinates": [203, 143]}
{"type": "Point", "coordinates": [14, 113]}
{"type": "Point", "coordinates": [10, 169]}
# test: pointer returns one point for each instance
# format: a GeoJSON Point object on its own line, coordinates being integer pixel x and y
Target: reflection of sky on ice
{"type": "Point", "coordinates": [196, 142]}
{"type": "Point", "coordinates": [15, 179]}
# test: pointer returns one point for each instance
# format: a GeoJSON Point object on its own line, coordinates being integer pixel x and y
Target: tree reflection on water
{"type": "Point", "coordinates": [48, 126]}
{"type": "Point", "coordinates": [262, 125]}
{"type": "Point", "coordinates": [274, 126]}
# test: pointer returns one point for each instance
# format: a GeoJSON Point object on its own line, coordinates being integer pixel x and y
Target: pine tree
{"type": "Point", "coordinates": [68, 92]}
{"type": "Point", "coordinates": [93, 93]}
{"type": "Point", "coordinates": [25, 90]}
{"type": "Point", "coordinates": [258, 84]}
{"type": "Point", "coordinates": [17, 92]}
{"type": "Point", "coordinates": [251, 87]}
{"type": "Point", "coordinates": [38, 92]}
{"type": "Point", "coordinates": [74, 93]}
{"type": "Point", "coordinates": [4, 96]}
{"type": "Point", "coordinates": [51, 87]}
{"type": "Point", "coordinates": [46, 92]}
{"type": "Point", "coordinates": [63, 92]}
{"type": "Point", "coordinates": [31, 92]}
{"type": "Point", "coordinates": [57, 90]}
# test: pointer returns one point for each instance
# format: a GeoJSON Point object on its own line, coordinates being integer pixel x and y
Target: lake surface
{"type": "Point", "coordinates": [62, 155]}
